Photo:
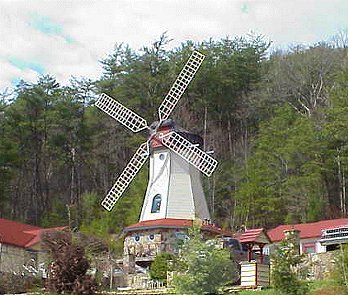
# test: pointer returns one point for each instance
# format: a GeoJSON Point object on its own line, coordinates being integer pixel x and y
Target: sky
{"type": "Point", "coordinates": [68, 38]}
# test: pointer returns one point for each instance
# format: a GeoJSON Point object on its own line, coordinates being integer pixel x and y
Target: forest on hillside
{"type": "Point", "coordinates": [277, 121]}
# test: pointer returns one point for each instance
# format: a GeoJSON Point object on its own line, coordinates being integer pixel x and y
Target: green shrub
{"type": "Point", "coordinates": [202, 267]}
{"type": "Point", "coordinates": [159, 268]}
{"type": "Point", "coordinates": [285, 265]}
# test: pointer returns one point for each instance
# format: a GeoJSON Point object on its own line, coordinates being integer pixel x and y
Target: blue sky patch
{"type": "Point", "coordinates": [45, 25]}
{"type": "Point", "coordinates": [15, 81]}
{"type": "Point", "coordinates": [244, 8]}
{"type": "Point", "coordinates": [68, 39]}
{"type": "Point", "coordinates": [24, 65]}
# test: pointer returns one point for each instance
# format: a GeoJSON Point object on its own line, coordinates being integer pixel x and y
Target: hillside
{"type": "Point", "coordinates": [277, 122]}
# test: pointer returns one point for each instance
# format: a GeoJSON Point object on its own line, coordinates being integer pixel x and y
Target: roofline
{"type": "Point", "coordinates": [145, 227]}
{"type": "Point", "coordinates": [13, 245]}
{"type": "Point", "coordinates": [189, 224]}
{"type": "Point", "coordinates": [301, 238]}
{"type": "Point", "coordinates": [35, 233]}
{"type": "Point", "coordinates": [284, 227]}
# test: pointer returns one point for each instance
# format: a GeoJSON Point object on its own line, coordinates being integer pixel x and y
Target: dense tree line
{"type": "Point", "coordinates": [276, 121]}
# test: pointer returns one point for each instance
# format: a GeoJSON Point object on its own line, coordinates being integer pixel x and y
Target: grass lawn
{"type": "Point", "coordinates": [323, 287]}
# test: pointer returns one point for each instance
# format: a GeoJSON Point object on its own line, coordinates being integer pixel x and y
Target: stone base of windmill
{"type": "Point", "coordinates": [254, 274]}
{"type": "Point", "coordinates": [145, 240]}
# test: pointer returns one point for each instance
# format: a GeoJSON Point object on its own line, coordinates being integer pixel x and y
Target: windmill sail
{"type": "Point", "coordinates": [120, 113]}
{"type": "Point", "coordinates": [127, 175]}
{"type": "Point", "coordinates": [180, 84]}
{"type": "Point", "coordinates": [174, 141]}
{"type": "Point", "coordinates": [190, 152]}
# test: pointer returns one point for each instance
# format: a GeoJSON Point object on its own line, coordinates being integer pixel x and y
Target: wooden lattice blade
{"type": "Point", "coordinates": [122, 114]}
{"type": "Point", "coordinates": [180, 85]}
{"type": "Point", "coordinates": [190, 152]}
{"type": "Point", "coordinates": [126, 177]}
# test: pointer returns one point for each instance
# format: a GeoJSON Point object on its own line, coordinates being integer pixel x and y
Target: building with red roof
{"type": "Point", "coordinates": [310, 234]}
{"type": "Point", "coordinates": [255, 240]}
{"type": "Point", "coordinates": [20, 246]}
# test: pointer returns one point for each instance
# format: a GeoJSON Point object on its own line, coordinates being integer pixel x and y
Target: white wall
{"type": "Point", "coordinates": [267, 250]}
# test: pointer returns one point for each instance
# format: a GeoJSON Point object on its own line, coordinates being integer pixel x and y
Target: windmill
{"type": "Point", "coordinates": [174, 189]}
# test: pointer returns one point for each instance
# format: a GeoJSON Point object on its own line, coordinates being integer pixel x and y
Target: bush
{"type": "Point", "coordinates": [285, 263]}
{"type": "Point", "coordinates": [159, 268]}
{"type": "Point", "coordinates": [202, 267]}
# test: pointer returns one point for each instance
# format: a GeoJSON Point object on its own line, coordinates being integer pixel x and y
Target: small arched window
{"type": "Point", "coordinates": [156, 204]}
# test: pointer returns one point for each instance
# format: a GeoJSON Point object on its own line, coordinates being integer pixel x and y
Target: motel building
{"type": "Point", "coordinates": [313, 238]}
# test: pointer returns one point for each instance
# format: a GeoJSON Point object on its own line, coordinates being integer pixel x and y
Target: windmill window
{"type": "Point", "coordinates": [156, 204]}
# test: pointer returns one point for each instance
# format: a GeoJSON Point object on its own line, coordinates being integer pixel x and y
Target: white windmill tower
{"type": "Point", "coordinates": [174, 190]}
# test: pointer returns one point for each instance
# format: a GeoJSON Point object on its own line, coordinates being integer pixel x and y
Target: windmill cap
{"type": "Point", "coordinates": [193, 138]}
{"type": "Point", "coordinates": [166, 123]}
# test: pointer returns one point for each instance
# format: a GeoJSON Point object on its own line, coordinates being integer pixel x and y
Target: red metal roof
{"type": "Point", "coordinates": [38, 233]}
{"type": "Point", "coordinates": [20, 234]}
{"type": "Point", "coordinates": [15, 233]}
{"type": "Point", "coordinates": [254, 236]}
{"type": "Point", "coordinates": [307, 230]}
{"type": "Point", "coordinates": [169, 223]}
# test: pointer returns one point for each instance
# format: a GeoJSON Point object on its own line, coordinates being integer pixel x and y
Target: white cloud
{"type": "Point", "coordinates": [11, 73]}
{"type": "Point", "coordinates": [95, 26]}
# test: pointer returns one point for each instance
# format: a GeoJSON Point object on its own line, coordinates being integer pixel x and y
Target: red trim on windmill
{"type": "Point", "coordinates": [156, 142]}
{"type": "Point", "coordinates": [170, 223]}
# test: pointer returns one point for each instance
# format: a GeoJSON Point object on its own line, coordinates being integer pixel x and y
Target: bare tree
{"type": "Point", "coordinates": [303, 78]}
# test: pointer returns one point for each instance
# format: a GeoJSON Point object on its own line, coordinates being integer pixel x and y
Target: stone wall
{"type": "Point", "coordinates": [13, 258]}
{"type": "Point", "coordinates": [142, 244]}
{"type": "Point", "coordinates": [319, 266]}
{"type": "Point", "coordinates": [148, 243]}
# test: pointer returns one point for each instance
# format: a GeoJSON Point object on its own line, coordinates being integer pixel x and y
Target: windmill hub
{"type": "Point", "coordinates": [158, 126]}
